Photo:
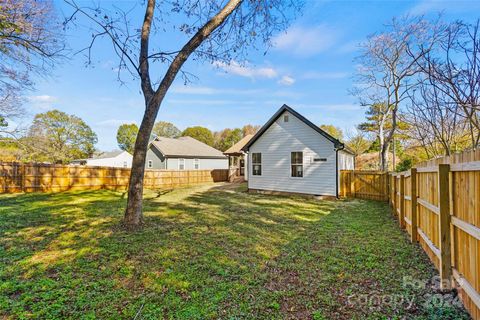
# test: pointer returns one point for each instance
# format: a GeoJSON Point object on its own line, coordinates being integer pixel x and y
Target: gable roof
{"type": "Point", "coordinates": [339, 145]}
{"type": "Point", "coordinates": [237, 147]}
{"type": "Point", "coordinates": [107, 154]}
{"type": "Point", "coordinates": [185, 147]}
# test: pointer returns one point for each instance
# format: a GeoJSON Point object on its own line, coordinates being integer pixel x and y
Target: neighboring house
{"type": "Point", "coordinates": [237, 156]}
{"type": "Point", "coordinates": [291, 154]}
{"type": "Point", "coordinates": [119, 159]}
{"type": "Point", "coordinates": [184, 153]}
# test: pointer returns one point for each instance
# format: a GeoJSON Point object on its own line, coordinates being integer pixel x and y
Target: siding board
{"type": "Point", "coordinates": [276, 144]}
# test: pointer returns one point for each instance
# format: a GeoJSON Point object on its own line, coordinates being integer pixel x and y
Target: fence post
{"type": "Point", "coordinates": [444, 226]}
{"type": "Point", "coordinates": [401, 216]}
{"type": "Point", "coordinates": [352, 184]}
{"type": "Point", "coordinates": [386, 183]}
{"type": "Point", "coordinates": [395, 187]}
{"type": "Point", "coordinates": [413, 203]}
{"type": "Point", "coordinates": [22, 177]}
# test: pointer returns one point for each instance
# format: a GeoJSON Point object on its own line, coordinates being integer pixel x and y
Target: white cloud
{"type": "Point", "coordinates": [244, 70]}
{"type": "Point", "coordinates": [333, 107]}
{"type": "Point", "coordinates": [42, 103]}
{"type": "Point", "coordinates": [310, 75]}
{"type": "Point", "coordinates": [114, 122]}
{"type": "Point", "coordinates": [209, 102]}
{"type": "Point", "coordinates": [42, 99]}
{"type": "Point", "coordinates": [193, 90]}
{"type": "Point", "coordinates": [306, 41]}
{"type": "Point", "coordinates": [350, 46]}
{"type": "Point", "coordinates": [428, 6]}
{"type": "Point", "coordinates": [286, 81]}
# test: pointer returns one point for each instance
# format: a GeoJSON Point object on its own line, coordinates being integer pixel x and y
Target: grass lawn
{"type": "Point", "coordinates": [209, 252]}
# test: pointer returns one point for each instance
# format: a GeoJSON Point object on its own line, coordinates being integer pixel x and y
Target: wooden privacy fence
{"type": "Point", "coordinates": [36, 177]}
{"type": "Point", "coordinates": [371, 185]}
{"type": "Point", "coordinates": [438, 203]}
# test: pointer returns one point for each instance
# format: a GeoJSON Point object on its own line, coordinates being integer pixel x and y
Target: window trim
{"type": "Point", "coordinates": [196, 164]}
{"type": "Point", "coordinates": [286, 118]}
{"type": "Point", "coordinates": [183, 160]}
{"type": "Point", "coordinates": [150, 164]}
{"type": "Point", "coordinates": [125, 164]}
{"type": "Point", "coordinates": [257, 163]}
{"type": "Point", "coordinates": [297, 164]}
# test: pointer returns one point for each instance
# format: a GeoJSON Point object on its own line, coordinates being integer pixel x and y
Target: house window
{"type": "Point", "coordinates": [285, 118]}
{"type": "Point", "coordinates": [196, 164]}
{"type": "Point", "coordinates": [124, 164]}
{"type": "Point", "coordinates": [297, 164]}
{"type": "Point", "coordinates": [181, 164]}
{"type": "Point", "coordinates": [150, 163]}
{"type": "Point", "coordinates": [257, 164]}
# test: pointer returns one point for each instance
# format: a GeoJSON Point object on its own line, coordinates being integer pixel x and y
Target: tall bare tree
{"type": "Point", "coordinates": [388, 66]}
{"type": "Point", "coordinates": [216, 30]}
{"type": "Point", "coordinates": [454, 70]}
{"type": "Point", "coordinates": [434, 121]}
{"type": "Point", "coordinates": [30, 43]}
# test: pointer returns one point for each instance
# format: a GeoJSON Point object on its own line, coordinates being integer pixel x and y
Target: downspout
{"type": "Point", "coordinates": [336, 173]}
{"type": "Point", "coordinates": [341, 147]}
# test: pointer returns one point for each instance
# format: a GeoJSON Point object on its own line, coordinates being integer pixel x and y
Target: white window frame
{"type": "Point", "coordinates": [297, 164]}
{"type": "Point", "coordinates": [150, 164]}
{"type": "Point", "coordinates": [181, 161]}
{"type": "Point", "coordinates": [257, 163]}
{"type": "Point", "coordinates": [286, 118]}
{"type": "Point", "coordinates": [125, 164]}
{"type": "Point", "coordinates": [196, 164]}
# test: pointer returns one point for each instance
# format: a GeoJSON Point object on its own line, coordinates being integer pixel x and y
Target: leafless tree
{"type": "Point", "coordinates": [388, 66]}
{"type": "Point", "coordinates": [434, 121]}
{"type": "Point", "coordinates": [30, 43]}
{"type": "Point", "coordinates": [214, 31]}
{"type": "Point", "coordinates": [454, 70]}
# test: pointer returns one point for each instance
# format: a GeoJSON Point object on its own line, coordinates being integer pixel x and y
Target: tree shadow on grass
{"type": "Point", "coordinates": [201, 254]}
{"type": "Point", "coordinates": [191, 255]}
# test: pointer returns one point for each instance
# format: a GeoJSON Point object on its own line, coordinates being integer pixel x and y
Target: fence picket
{"type": "Point", "coordinates": [444, 216]}
{"type": "Point", "coordinates": [413, 199]}
{"type": "Point", "coordinates": [444, 225]}
{"type": "Point", "coordinates": [37, 177]}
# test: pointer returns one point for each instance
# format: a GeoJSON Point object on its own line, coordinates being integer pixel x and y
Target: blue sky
{"type": "Point", "coordinates": [310, 68]}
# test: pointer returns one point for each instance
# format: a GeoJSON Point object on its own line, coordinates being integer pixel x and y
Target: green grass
{"type": "Point", "coordinates": [207, 253]}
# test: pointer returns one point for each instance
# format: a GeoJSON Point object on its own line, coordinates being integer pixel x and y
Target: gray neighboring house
{"type": "Point", "coordinates": [184, 153]}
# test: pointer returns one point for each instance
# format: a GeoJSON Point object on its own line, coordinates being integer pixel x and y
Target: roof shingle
{"type": "Point", "coordinates": [185, 147]}
{"type": "Point", "coordinates": [237, 147]}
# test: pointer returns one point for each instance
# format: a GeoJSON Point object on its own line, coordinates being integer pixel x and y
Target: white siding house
{"type": "Point", "coordinates": [118, 159]}
{"type": "Point", "coordinates": [291, 154]}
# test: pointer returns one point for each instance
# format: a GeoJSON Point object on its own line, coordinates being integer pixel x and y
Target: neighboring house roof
{"type": "Point", "coordinates": [348, 150]}
{"type": "Point", "coordinates": [185, 147]}
{"type": "Point", "coordinates": [339, 145]}
{"type": "Point", "coordinates": [106, 155]}
{"type": "Point", "coordinates": [237, 147]}
{"type": "Point", "coordinates": [101, 155]}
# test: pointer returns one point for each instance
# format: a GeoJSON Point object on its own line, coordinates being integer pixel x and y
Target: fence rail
{"type": "Point", "coordinates": [35, 177]}
{"type": "Point", "coordinates": [438, 204]}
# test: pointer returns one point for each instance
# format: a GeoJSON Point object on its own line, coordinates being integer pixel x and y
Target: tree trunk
{"type": "Point", "coordinates": [384, 156]}
{"type": "Point", "coordinates": [394, 154]}
{"type": "Point", "coordinates": [133, 213]}
{"type": "Point", "coordinates": [153, 100]}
